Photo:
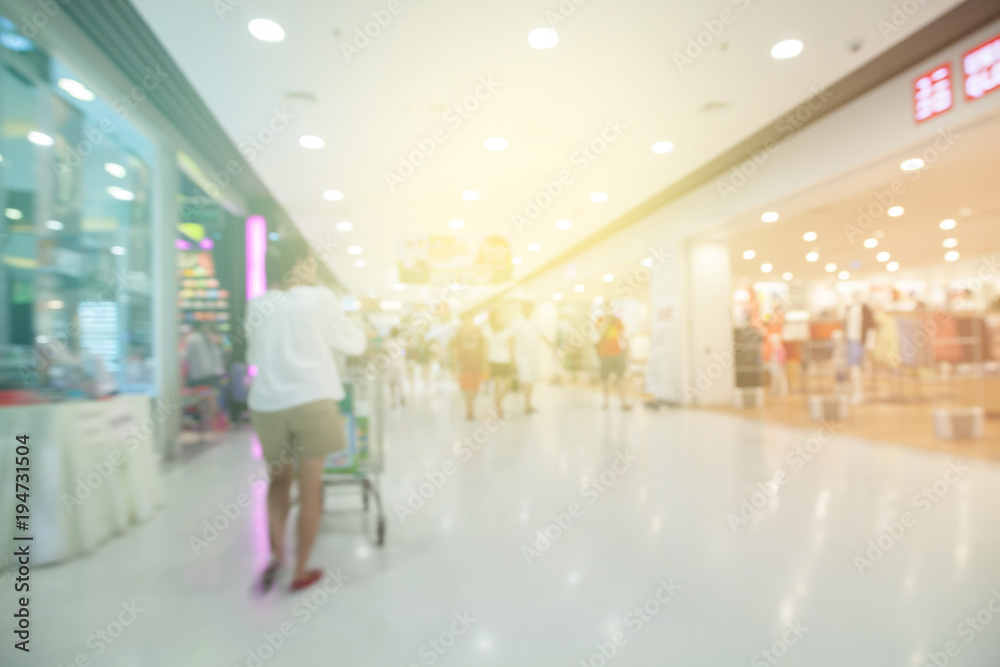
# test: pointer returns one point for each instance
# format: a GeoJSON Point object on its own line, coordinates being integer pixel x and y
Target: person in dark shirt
{"type": "Point", "coordinates": [469, 350]}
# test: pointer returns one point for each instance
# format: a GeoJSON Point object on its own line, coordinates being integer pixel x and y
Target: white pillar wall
{"type": "Point", "coordinates": [711, 362]}
{"type": "Point", "coordinates": [668, 370]}
{"type": "Point", "coordinates": [166, 217]}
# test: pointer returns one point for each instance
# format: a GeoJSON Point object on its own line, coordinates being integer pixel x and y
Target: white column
{"type": "Point", "coordinates": [166, 217]}
{"type": "Point", "coordinates": [711, 329]}
{"type": "Point", "coordinates": [667, 374]}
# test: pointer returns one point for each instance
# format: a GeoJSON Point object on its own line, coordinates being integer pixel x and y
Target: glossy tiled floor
{"type": "Point", "coordinates": [729, 591]}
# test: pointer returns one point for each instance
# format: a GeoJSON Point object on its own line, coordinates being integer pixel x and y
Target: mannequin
{"type": "Point", "coordinates": [776, 355]}
{"type": "Point", "coordinates": [859, 321]}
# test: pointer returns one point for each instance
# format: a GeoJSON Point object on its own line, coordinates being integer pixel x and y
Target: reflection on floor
{"type": "Point", "coordinates": [903, 423]}
{"type": "Point", "coordinates": [865, 554]}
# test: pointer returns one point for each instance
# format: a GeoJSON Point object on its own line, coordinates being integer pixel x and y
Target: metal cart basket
{"type": "Point", "coordinates": [362, 462]}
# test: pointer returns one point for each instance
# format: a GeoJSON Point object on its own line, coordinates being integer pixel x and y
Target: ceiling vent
{"type": "Point", "coordinates": [300, 96]}
{"type": "Point", "coordinates": [714, 106]}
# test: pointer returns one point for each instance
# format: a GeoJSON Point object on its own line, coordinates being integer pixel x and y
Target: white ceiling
{"type": "Point", "coordinates": [614, 60]}
{"type": "Point", "coordinates": [960, 185]}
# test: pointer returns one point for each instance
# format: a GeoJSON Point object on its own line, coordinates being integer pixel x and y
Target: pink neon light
{"type": "Point", "coordinates": [256, 231]}
{"type": "Point", "coordinates": [206, 244]}
{"type": "Point", "coordinates": [181, 244]}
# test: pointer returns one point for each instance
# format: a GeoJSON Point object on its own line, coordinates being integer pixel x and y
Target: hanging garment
{"type": "Point", "coordinates": [886, 350]}
{"type": "Point", "coordinates": [946, 347]}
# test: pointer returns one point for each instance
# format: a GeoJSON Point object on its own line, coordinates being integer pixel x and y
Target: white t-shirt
{"type": "Point", "coordinates": [291, 337]}
{"type": "Point", "coordinates": [498, 345]}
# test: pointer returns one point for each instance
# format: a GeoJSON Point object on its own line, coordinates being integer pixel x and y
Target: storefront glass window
{"type": "Point", "coordinates": [76, 238]}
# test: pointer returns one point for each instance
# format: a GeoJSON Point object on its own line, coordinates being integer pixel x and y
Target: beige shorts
{"type": "Point", "coordinates": [304, 432]}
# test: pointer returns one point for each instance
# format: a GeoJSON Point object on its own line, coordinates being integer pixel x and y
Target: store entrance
{"type": "Point", "coordinates": [874, 302]}
{"type": "Point", "coordinates": [209, 263]}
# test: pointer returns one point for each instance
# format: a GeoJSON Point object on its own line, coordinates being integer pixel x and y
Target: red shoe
{"type": "Point", "coordinates": [312, 576]}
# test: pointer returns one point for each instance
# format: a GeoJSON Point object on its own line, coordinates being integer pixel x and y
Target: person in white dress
{"type": "Point", "coordinates": [527, 337]}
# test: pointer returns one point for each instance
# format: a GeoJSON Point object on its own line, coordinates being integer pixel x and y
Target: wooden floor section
{"type": "Point", "coordinates": [909, 424]}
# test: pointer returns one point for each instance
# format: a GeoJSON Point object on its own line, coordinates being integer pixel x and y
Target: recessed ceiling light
{"type": "Point", "coordinates": [266, 30]}
{"type": "Point", "coordinates": [648, 262]}
{"type": "Point", "coordinates": [354, 250]}
{"type": "Point", "coordinates": [564, 225]}
{"type": "Point", "coordinates": [812, 257]}
{"type": "Point", "coordinates": [871, 243]}
{"type": "Point", "coordinates": [749, 254]}
{"type": "Point", "coordinates": [599, 197]}
{"type": "Point", "coordinates": [662, 147]}
{"type": "Point", "coordinates": [766, 267]}
{"type": "Point", "coordinates": [40, 138]}
{"type": "Point", "coordinates": [470, 195]}
{"type": "Point", "coordinates": [844, 275]}
{"type": "Point", "coordinates": [345, 226]}
{"type": "Point", "coordinates": [789, 48]}
{"type": "Point", "coordinates": [579, 288]}
{"type": "Point", "coordinates": [892, 266]}
{"type": "Point", "coordinates": [120, 193]}
{"type": "Point", "coordinates": [311, 141]}
{"type": "Point", "coordinates": [516, 260]}
{"type": "Point", "coordinates": [598, 299]}
{"type": "Point", "coordinates": [390, 305]}
{"type": "Point", "coordinates": [55, 304]}
{"type": "Point", "coordinates": [787, 275]}
{"type": "Point", "coordinates": [543, 38]}
{"type": "Point", "coordinates": [831, 267]}
{"type": "Point", "coordinates": [117, 250]}
{"type": "Point", "coordinates": [76, 89]}
{"type": "Point", "coordinates": [54, 225]}
{"type": "Point", "coordinates": [115, 170]}
{"type": "Point", "coordinates": [13, 213]}
{"type": "Point", "coordinates": [15, 42]}
{"type": "Point", "coordinates": [557, 295]}
{"type": "Point", "coordinates": [534, 247]}
{"type": "Point", "coordinates": [809, 236]}
{"type": "Point", "coordinates": [895, 211]}
{"type": "Point", "coordinates": [770, 216]}
{"type": "Point", "coordinates": [399, 287]}
{"type": "Point", "coordinates": [883, 256]}
{"type": "Point", "coordinates": [360, 263]}
{"type": "Point", "coordinates": [947, 224]}
{"type": "Point", "coordinates": [950, 243]}
{"type": "Point", "coordinates": [951, 255]}
{"type": "Point", "coordinates": [456, 224]}
{"type": "Point", "coordinates": [911, 164]}
{"type": "Point", "coordinates": [496, 144]}
{"type": "Point", "coordinates": [333, 195]}
{"type": "Point", "coordinates": [609, 277]}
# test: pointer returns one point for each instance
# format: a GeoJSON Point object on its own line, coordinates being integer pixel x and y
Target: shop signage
{"type": "Point", "coordinates": [932, 93]}
{"type": "Point", "coordinates": [982, 69]}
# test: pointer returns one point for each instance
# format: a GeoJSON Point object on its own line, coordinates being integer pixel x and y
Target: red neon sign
{"type": "Point", "coordinates": [932, 93]}
{"type": "Point", "coordinates": [982, 69]}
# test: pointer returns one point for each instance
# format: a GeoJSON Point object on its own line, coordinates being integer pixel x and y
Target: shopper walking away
{"type": "Point", "coordinates": [396, 370]}
{"type": "Point", "coordinates": [611, 350]}
{"type": "Point", "coordinates": [204, 362]}
{"type": "Point", "coordinates": [293, 329]}
{"type": "Point", "coordinates": [501, 357]}
{"type": "Point", "coordinates": [527, 339]}
{"type": "Point", "coordinates": [469, 350]}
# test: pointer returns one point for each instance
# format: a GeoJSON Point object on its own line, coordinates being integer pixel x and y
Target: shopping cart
{"type": "Point", "coordinates": [361, 463]}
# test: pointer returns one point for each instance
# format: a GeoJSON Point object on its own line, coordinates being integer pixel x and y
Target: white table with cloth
{"type": "Point", "coordinates": [94, 472]}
